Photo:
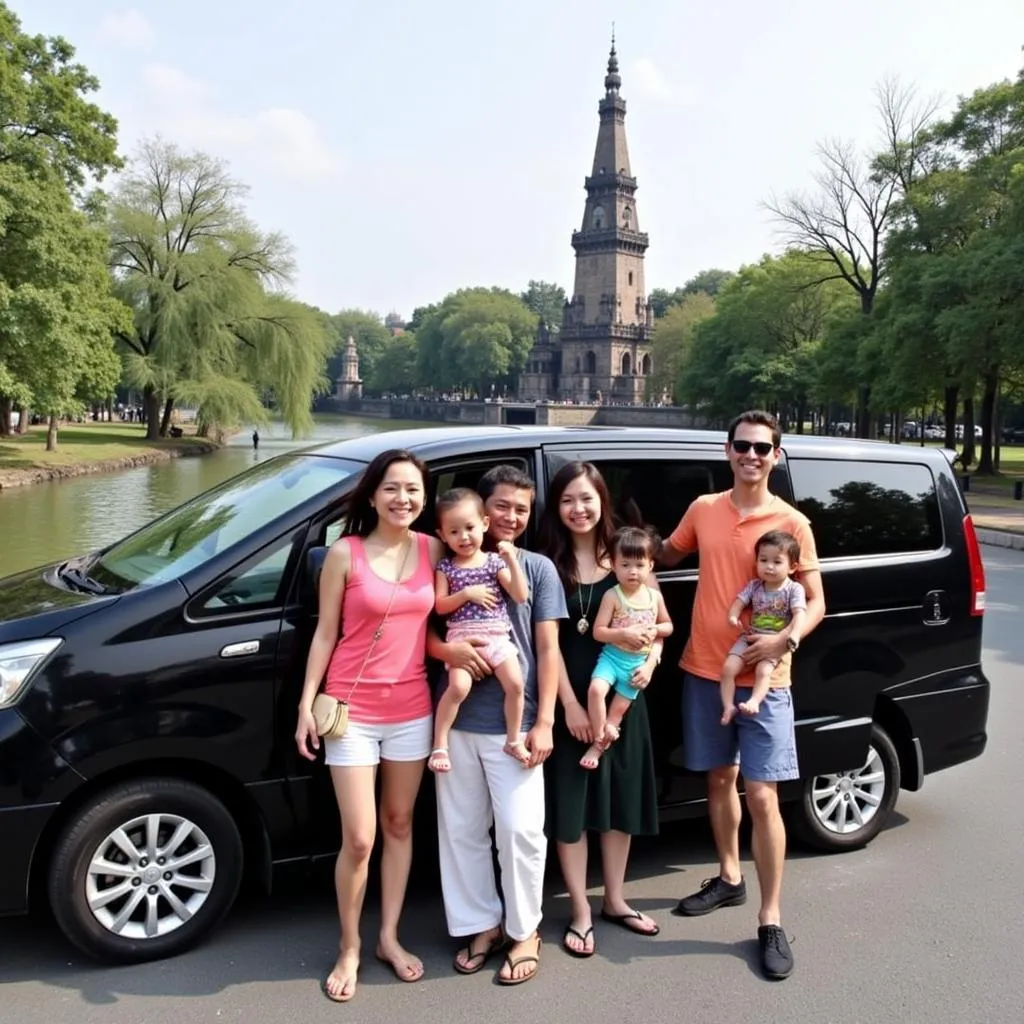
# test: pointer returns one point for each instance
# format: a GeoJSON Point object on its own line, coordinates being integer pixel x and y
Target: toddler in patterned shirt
{"type": "Point", "coordinates": [472, 587]}
{"type": "Point", "coordinates": [775, 601]}
{"type": "Point", "coordinates": [630, 609]}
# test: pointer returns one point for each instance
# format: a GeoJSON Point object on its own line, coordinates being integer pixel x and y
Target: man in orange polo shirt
{"type": "Point", "coordinates": [723, 529]}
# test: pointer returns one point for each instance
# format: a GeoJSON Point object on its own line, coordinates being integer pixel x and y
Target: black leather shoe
{"type": "Point", "coordinates": [776, 956]}
{"type": "Point", "coordinates": [714, 893]}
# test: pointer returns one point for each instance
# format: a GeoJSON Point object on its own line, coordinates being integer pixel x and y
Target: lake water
{"type": "Point", "coordinates": [50, 521]}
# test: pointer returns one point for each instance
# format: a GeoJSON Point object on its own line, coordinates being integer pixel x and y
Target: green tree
{"type": "Point", "coordinates": [211, 325]}
{"type": "Point", "coordinates": [762, 345]}
{"type": "Point", "coordinates": [57, 313]}
{"type": "Point", "coordinates": [46, 122]}
{"type": "Point", "coordinates": [547, 300]}
{"type": "Point", "coordinates": [672, 341]}
{"type": "Point", "coordinates": [844, 222]}
{"type": "Point", "coordinates": [476, 337]}
{"type": "Point", "coordinates": [396, 366]}
{"type": "Point", "coordinates": [52, 139]}
{"type": "Point", "coordinates": [956, 257]}
{"type": "Point", "coordinates": [710, 282]}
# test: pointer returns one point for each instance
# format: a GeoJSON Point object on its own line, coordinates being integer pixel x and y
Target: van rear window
{"type": "Point", "coordinates": [867, 508]}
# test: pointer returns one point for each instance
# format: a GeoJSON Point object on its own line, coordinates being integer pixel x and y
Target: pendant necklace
{"type": "Point", "coordinates": [584, 623]}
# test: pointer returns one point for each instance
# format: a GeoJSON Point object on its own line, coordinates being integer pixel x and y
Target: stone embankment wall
{"type": "Point", "coordinates": [42, 474]}
{"type": "Point", "coordinates": [478, 413]}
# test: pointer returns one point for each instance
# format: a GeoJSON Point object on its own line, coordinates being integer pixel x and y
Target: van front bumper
{"type": "Point", "coordinates": [33, 782]}
{"type": "Point", "coordinates": [20, 829]}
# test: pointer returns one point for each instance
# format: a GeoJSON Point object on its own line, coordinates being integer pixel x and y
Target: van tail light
{"type": "Point", "coordinates": [977, 568]}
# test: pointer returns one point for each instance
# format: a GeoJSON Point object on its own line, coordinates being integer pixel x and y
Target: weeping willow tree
{"type": "Point", "coordinates": [212, 324]}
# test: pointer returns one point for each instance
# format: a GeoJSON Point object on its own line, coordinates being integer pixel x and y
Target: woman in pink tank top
{"type": "Point", "coordinates": [376, 596]}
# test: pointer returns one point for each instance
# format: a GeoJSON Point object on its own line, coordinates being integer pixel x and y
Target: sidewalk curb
{"type": "Point", "coordinates": [1000, 538]}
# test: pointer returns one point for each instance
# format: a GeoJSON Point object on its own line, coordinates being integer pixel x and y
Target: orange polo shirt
{"type": "Point", "coordinates": [725, 540]}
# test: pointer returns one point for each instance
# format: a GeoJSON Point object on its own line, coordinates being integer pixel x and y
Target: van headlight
{"type": "Point", "coordinates": [18, 662]}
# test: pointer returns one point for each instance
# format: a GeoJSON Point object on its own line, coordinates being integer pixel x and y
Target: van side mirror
{"type": "Point", "coordinates": [311, 575]}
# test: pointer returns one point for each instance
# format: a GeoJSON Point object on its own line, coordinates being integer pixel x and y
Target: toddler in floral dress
{"type": "Point", "coordinates": [472, 587]}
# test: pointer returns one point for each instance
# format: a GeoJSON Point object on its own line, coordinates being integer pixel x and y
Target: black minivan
{"type": "Point", "coordinates": [148, 690]}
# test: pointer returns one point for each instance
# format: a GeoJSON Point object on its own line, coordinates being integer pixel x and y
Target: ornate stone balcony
{"type": "Point", "coordinates": [612, 182]}
{"type": "Point", "coordinates": [597, 332]}
{"type": "Point", "coordinates": [609, 240]}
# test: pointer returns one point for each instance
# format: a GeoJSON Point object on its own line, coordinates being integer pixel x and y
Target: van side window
{"type": "Point", "coordinates": [658, 491]}
{"type": "Point", "coordinates": [868, 508]}
{"type": "Point", "coordinates": [256, 583]}
{"type": "Point", "coordinates": [446, 476]}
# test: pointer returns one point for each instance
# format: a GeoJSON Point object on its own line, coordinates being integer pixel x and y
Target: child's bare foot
{"type": "Point", "coordinates": [750, 707]}
{"type": "Point", "coordinates": [517, 749]}
{"type": "Point", "coordinates": [340, 985]}
{"type": "Point", "coordinates": [439, 761]}
{"type": "Point", "coordinates": [610, 734]}
{"type": "Point", "coordinates": [592, 757]}
{"type": "Point", "coordinates": [729, 714]}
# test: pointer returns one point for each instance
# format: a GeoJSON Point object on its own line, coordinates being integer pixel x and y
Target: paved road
{"type": "Point", "coordinates": [926, 925]}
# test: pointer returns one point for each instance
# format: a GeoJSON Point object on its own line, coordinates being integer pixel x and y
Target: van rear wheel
{"type": "Point", "coordinates": [846, 810]}
{"type": "Point", "coordinates": [145, 870]}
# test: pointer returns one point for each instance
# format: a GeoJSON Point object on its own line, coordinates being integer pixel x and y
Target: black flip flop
{"type": "Point", "coordinates": [513, 964]}
{"type": "Point", "coordinates": [580, 954]}
{"type": "Point", "coordinates": [621, 919]}
{"type": "Point", "coordinates": [479, 960]}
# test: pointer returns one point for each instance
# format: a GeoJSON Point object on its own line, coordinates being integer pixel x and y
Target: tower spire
{"type": "Point", "coordinates": [613, 81]}
{"type": "Point", "coordinates": [602, 351]}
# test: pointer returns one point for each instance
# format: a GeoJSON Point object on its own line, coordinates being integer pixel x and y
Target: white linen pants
{"type": "Point", "coordinates": [485, 786]}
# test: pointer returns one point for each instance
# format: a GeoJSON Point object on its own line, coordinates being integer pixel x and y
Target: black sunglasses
{"type": "Point", "coordinates": [761, 448]}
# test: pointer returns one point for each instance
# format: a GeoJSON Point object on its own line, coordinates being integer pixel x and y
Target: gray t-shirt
{"type": "Point", "coordinates": [771, 611]}
{"type": "Point", "coordinates": [483, 710]}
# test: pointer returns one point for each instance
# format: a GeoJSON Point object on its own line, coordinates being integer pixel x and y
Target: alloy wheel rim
{"type": "Point", "coordinates": [846, 802]}
{"type": "Point", "coordinates": [150, 876]}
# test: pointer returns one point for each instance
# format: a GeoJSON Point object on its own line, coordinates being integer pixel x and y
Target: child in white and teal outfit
{"type": "Point", "coordinates": [630, 613]}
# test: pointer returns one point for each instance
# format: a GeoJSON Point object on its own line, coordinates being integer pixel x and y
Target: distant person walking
{"type": "Point", "coordinates": [255, 440]}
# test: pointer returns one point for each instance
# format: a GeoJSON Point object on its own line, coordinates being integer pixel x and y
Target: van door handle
{"type": "Point", "coordinates": [240, 650]}
{"type": "Point", "coordinates": [934, 608]}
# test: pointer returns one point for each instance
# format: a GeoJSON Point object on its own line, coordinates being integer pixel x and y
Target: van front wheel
{"type": "Point", "coordinates": [846, 810]}
{"type": "Point", "coordinates": [145, 870]}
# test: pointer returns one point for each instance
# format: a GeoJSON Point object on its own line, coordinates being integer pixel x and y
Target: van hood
{"type": "Point", "coordinates": [35, 603]}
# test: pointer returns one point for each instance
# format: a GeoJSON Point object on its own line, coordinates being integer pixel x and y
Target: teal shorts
{"type": "Point", "coordinates": [617, 667]}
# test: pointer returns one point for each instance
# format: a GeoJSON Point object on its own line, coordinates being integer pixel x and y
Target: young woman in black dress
{"type": "Point", "coordinates": [618, 799]}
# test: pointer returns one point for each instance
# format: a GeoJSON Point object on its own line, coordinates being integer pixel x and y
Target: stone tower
{"type": "Point", "coordinates": [603, 350]}
{"type": "Point", "coordinates": [349, 385]}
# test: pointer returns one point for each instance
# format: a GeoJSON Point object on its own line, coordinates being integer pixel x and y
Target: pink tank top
{"type": "Point", "coordinates": [393, 686]}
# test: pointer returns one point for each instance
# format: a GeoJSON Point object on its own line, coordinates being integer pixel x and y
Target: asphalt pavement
{"type": "Point", "coordinates": [925, 925]}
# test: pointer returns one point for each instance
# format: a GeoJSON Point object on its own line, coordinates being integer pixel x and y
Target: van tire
{"type": "Point", "coordinates": [817, 818]}
{"type": "Point", "coordinates": [145, 908]}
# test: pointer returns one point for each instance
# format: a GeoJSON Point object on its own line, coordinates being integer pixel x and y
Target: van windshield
{"type": "Point", "coordinates": [217, 520]}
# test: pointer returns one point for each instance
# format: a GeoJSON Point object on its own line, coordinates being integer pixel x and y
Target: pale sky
{"type": "Point", "coordinates": [409, 148]}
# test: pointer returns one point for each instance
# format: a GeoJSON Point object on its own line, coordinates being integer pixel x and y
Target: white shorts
{"type": "Point", "coordinates": [369, 743]}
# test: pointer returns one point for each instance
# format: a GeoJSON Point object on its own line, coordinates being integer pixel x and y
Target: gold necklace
{"type": "Point", "coordinates": [584, 623]}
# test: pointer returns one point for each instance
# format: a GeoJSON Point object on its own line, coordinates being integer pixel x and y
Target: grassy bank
{"type": "Point", "coordinates": [87, 448]}
{"type": "Point", "coordinates": [1011, 469]}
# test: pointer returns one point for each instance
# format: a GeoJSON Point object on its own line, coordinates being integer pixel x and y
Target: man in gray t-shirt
{"type": "Point", "coordinates": [483, 710]}
{"type": "Point", "coordinates": [484, 783]}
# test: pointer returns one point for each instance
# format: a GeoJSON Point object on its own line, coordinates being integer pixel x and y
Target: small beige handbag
{"type": "Point", "coordinates": [331, 714]}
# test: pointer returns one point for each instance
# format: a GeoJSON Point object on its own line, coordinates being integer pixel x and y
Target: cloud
{"type": "Point", "coordinates": [646, 79]}
{"type": "Point", "coordinates": [286, 141]}
{"type": "Point", "coordinates": [171, 88]}
{"type": "Point", "coordinates": [127, 28]}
